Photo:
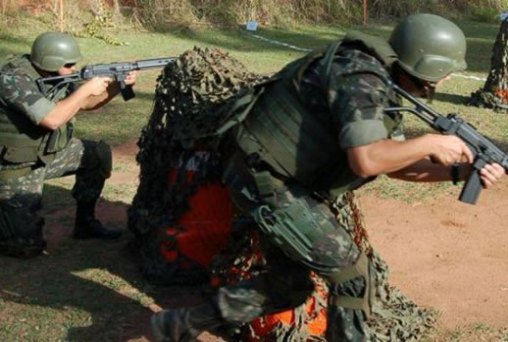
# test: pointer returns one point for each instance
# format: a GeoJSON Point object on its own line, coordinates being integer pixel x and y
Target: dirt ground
{"type": "Point", "coordinates": [442, 253]}
{"type": "Point", "coordinates": [447, 255]}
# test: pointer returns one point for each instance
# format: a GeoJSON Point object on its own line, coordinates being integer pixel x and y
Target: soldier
{"type": "Point", "coordinates": [37, 143]}
{"type": "Point", "coordinates": [316, 132]}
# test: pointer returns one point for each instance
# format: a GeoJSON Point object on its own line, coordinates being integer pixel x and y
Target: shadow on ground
{"type": "Point", "coordinates": [89, 289]}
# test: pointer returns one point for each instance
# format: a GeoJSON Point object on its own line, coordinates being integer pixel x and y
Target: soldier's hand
{"type": "Point", "coordinates": [131, 77]}
{"type": "Point", "coordinates": [449, 150]}
{"type": "Point", "coordinates": [97, 85]}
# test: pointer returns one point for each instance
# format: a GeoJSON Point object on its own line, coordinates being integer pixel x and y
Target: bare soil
{"type": "Point", "coordinates": [447, 255]}
{"type": "Point", "coordinates": [442, 253]}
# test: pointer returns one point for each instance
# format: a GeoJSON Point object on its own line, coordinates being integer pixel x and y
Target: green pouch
{"type": "Point", "coordinates": [295, 229]}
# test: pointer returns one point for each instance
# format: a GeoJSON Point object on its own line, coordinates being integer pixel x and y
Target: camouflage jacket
{"type": "Point", "coordinates": [22, 107]}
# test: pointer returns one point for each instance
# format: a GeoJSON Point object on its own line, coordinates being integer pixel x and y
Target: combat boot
{"type": "Point", "coordinates": [186, 324]}
{"type": "Point", "coordinates": [173, 326]}
{"type": "Point", "coordinates": [87, 226]}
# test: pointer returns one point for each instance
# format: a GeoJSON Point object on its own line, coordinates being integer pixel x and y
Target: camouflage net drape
{"type": "Point", "coordinates": [494, 93]}
{"type": "Point", "coordinates": [191, 101]}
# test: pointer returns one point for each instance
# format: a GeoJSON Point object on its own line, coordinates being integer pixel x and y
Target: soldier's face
{"type": "Point", "coordinates": [419, 87]}
{"type": "Point", "coordinates": [67, 69]}
{"type": "Point", "coordinates": [441, 81]}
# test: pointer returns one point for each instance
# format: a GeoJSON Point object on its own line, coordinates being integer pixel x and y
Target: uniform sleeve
{"type": "Point", "coordinates": [357, 102]}
{"type": "Point", "coordinates": [22, 94]}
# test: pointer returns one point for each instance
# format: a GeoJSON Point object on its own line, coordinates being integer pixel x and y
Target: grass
{"type": "Point", "coordinates": [92, 290]}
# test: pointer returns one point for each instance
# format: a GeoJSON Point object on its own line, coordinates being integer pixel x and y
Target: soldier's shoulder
{"type": "Point", "coordinates": [358, 61]}
{"type": "Point", "coordinates": [14, 65]}
{"type": "Point", "coordinates": [16, 72]}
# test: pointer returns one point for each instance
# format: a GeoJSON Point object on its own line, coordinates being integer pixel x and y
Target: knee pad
{"type": "Point", "coordinates": [359, 277]}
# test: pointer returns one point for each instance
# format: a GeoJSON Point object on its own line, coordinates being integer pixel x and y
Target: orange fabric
{"type": "Point", "coordinates": [502, 94]}
{"type": "Point", "coordinates": [315, 326]}
{"type": "Point", "coordinates": [206, 225]}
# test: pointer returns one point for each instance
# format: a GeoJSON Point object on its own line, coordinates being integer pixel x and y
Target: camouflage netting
{"type": "Point", "coordinates": [191, 101]}
{"type": "Point", "coordinates": [190, 104]}
{"type": "Point", "coordinates": [494, 93]}
{"type": "Point", "coordinates": [486, 99]}
{"type": "Point", "coordinates": [394, 316]}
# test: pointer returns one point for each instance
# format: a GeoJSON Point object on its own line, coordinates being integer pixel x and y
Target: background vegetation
{"type": "Point", "coordinates": [91, 290]}
{"type": "Point", "coordinates": [162, 14]}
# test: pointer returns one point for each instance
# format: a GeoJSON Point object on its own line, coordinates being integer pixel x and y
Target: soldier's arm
{"type": "Point", "coordinates": [409, 159]}
{"type": "Point", "coordinates": [65, 109]}
{"type": "Point", "coordinates": [20, 93]}
{"type": "Point", "coordinates": [372, 149]}
{"type": "Point", "coordinates": [427, 171]}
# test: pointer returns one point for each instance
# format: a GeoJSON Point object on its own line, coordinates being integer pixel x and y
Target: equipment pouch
{"type": "Point", "coordinates": [59, 138]}
{"type": "Point", "coordinates": [296, 228]}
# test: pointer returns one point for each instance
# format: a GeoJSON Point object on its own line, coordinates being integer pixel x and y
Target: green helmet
{"type": "Point", "coordinates": [429, 47]}
{"type": "Point", "coordinates": [52, 50]}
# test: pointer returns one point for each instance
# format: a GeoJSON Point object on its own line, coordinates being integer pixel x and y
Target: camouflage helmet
{"type": "Point", "coordinates": [429, 47]}
{"type": "Point", "coordinates": [52, 50]}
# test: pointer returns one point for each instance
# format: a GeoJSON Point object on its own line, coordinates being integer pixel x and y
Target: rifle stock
{"type": "Point", "coordinates": [484, 150]}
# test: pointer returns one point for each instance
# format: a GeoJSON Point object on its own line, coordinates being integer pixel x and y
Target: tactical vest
{"type": "Point", "coordinates": [302, 145]}
{"type": "Point", "coordinates": [21, 141]}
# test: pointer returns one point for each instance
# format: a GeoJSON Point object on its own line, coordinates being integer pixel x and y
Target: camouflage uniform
{"type": "Point", "coordinates": [282, 170]}
{"type": "Point", "coordinates": [353, 105]}
{"type": "Point", "coordinates": [51, 154]}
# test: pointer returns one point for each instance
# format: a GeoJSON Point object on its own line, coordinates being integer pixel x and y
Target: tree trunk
{"type": "Point", "coordinates": [494, 93]}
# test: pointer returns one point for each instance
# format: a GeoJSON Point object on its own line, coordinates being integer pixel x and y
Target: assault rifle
{"type": "Point", "coordinates": [484, 150]}
{"type": "Point", "coordinates": [117, 71]}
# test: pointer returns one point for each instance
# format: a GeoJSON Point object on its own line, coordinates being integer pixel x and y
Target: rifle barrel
{"type": "Point", "coordinates": [154, 62]}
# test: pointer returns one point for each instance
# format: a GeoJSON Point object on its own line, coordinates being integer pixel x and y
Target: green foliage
{"type": "Point", "coordinates": [98, 26]}
{"type": "Point", "coordinates": [397, 8]}
{"type": "Point", "coordinates": [162, 15]}
{"type": "Point", "coordinates": [485, 14]}
{"type": "Point", "coordinates": [159, 14]}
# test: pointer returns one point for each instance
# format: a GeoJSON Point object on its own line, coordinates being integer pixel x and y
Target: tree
{"type": "Point", "coordinates": [494, 93]}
